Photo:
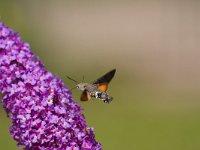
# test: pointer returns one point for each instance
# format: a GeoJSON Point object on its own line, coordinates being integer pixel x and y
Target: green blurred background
{"type": "Point", "coordinates": [154, 45]}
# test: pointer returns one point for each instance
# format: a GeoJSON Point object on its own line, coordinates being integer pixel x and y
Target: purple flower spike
{"type": "Point", "coordinates": [43, 112]}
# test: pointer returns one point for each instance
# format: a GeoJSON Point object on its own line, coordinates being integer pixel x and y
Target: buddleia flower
{"type": "Point", "coordinates": [43, 113]}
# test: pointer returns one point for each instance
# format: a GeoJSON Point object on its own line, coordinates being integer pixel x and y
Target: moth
{"type": "Point", "coordinates": [97, 88]}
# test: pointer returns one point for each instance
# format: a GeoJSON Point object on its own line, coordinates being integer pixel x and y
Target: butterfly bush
{"type": "Point", "coordinates": [43, 113]}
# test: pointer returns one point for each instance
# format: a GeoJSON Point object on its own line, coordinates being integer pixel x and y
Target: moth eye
{"type": "Point", "coordinates": [77, 86]}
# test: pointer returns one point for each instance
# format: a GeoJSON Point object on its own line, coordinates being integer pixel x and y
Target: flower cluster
{"type": "Point", "coordinates": [44, 115]}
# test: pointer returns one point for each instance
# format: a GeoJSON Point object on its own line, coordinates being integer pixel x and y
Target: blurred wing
{"type": "Point", "coordinates": [103, 81]}
{"type": "Point", "coordinates": [105, 78]}
{"type": "Point", "coordinates": [103, 87]}
{"type": "Point", "coordinates": [85, 96]}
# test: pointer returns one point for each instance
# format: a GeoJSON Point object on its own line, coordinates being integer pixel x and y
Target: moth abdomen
{"type": "Point", "coordinates": [101, 95]}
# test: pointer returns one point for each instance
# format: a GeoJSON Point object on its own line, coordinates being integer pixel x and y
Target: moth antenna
{"type": "Point", "coordinates": [83, 79]}
{"type": "Point", "coordinates": [72, 79]}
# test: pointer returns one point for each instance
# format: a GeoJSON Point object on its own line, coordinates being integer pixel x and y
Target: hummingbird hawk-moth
{"type": "Point", "coordinates": [97, 88]}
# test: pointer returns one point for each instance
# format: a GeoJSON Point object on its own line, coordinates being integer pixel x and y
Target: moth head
{"type": "Point", "coordinates": [81, 86]}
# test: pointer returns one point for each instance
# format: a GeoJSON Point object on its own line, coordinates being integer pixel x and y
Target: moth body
{"type": "Point", "coordinates": [96, 89]}
{"type": "Point", "coordinates": [86, 86]}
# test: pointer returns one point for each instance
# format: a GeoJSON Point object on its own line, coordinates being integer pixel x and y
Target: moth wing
{"type": "Point", "coordinates": [103, 81]}
{"type": "Point", "coordinates": [103, 87]}
{"type": "Point", "coordinates": [85, 96]}
{"type": "Point", "coordinates": [106, 78]}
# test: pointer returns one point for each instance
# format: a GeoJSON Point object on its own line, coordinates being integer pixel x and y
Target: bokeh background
{"type": "Point", "coordinates": [155, 47]}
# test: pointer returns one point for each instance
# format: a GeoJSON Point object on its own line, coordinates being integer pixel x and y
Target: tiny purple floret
{"type": "Point", "coordinates": [43, 113]}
